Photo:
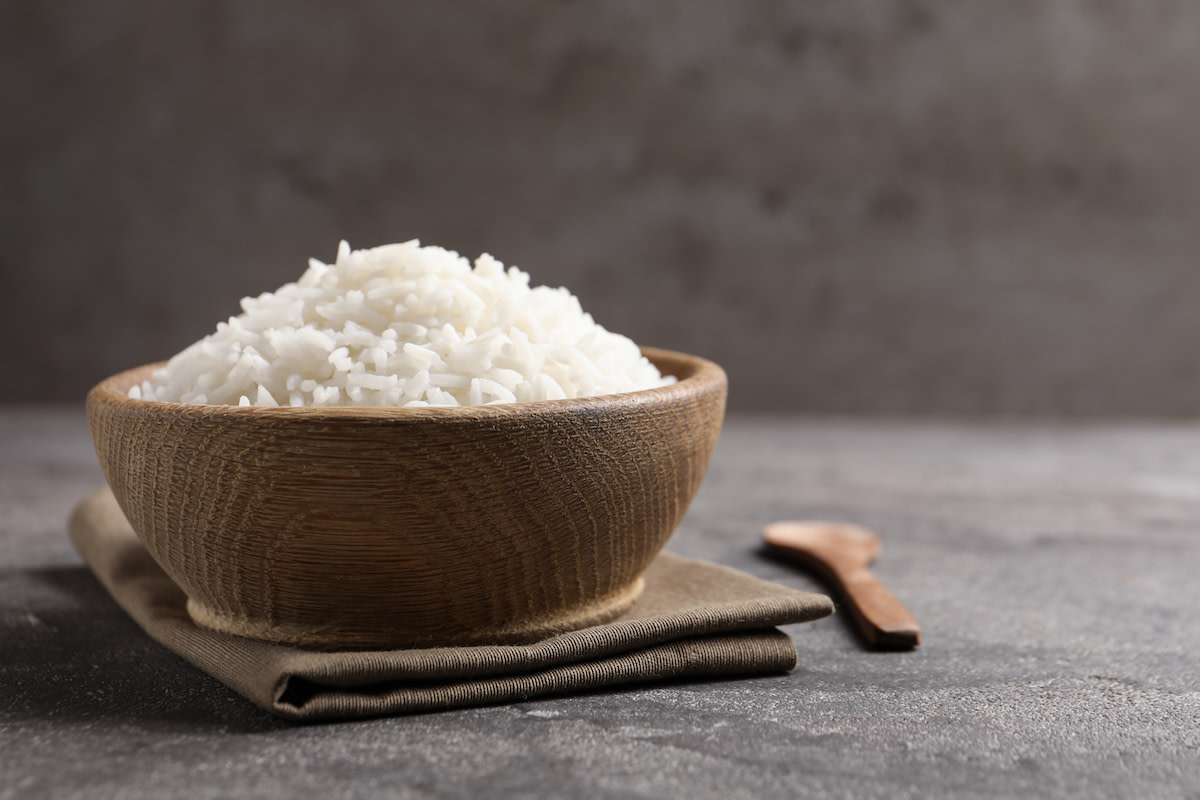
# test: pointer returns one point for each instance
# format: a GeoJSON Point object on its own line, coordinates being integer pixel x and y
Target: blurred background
{"type": "Point", "coordinates": [890, 208]}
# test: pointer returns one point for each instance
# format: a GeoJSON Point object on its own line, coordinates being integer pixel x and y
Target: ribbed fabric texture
{"type": "Point", "coordinates": [694, 620]}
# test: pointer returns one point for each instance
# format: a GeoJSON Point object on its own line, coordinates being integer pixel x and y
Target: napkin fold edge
{"type": "Point", "coordinates": [723, 639]}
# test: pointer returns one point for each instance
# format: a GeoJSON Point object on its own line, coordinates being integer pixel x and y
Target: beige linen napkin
{"type": "Point", "coordinates": [694, 620]}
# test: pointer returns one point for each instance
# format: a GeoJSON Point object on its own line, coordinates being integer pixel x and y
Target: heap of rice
{"type": "Point", "coordinates": [404, 325]}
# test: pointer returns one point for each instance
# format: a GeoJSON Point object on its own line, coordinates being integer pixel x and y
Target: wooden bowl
{"type": "Point", "coordinates": [397, 527]}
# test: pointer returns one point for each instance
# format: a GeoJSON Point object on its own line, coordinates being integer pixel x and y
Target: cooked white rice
{"type": "Point", "coordinates": [404, 325]}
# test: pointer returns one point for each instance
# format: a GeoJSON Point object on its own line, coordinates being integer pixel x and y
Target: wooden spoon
{"type": "Point", "coordinates": [840, 554]}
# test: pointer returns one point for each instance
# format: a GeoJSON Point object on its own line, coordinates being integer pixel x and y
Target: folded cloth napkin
{"type": "Point", "coordinates": [693, 620]}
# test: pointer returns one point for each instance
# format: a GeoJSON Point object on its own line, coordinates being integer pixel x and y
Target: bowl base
{"type": "Point", "coordinates": [332, 637]}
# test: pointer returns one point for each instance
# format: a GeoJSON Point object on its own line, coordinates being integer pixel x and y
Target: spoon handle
{"type": "Point", "coordinates": [882, 620]}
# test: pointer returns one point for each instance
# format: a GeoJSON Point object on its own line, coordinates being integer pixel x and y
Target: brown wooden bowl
{"type": "Point", "coordinates": [399, 527]}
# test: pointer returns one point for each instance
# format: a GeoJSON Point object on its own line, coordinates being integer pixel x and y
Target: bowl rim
{"type": "Point", "coordinates": [699, 376]}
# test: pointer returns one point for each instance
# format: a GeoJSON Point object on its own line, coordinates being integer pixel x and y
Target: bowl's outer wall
{"type": "Point", "coordinates": [379, 527]}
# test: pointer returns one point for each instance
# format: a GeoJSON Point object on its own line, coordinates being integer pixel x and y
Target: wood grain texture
{"type": "Point", "coordinates": [386, 527]}
{"type": "Point", "coordinates": [840, 554]}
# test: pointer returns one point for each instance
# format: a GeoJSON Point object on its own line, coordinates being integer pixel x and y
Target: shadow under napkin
{"type": "Point", "coordinates": [694, 620]}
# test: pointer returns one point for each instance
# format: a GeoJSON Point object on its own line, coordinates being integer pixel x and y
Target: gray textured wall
{"type": "Point", "coordinates": [877, 207]}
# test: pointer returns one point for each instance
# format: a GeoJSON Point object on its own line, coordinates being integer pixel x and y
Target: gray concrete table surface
{"type": "Point", "coordinates": [1053, 569]}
